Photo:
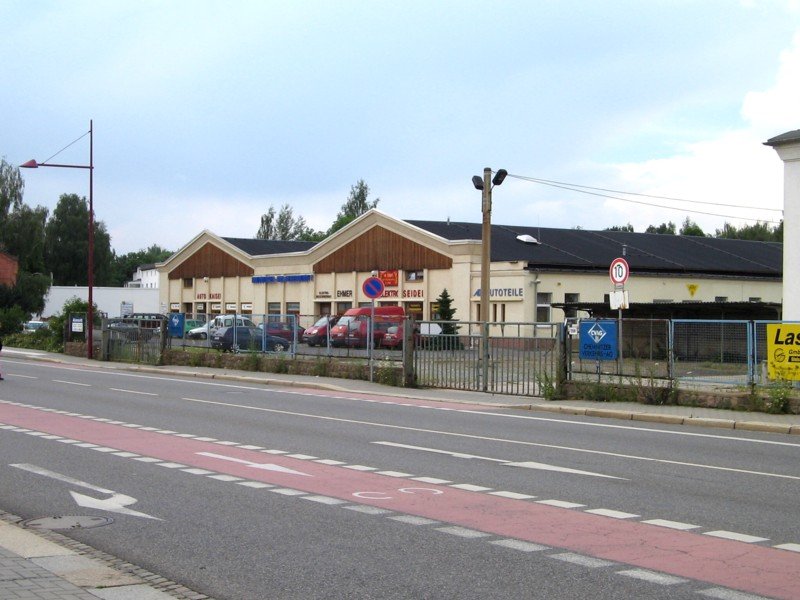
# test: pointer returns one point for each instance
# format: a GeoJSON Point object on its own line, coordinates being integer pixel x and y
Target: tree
{"type": "Point", "coordinates": [11, 187]}
{"type": "Point", "coordinates": [761, 232]}
{"type": "Point", "coordinates": [445, 312]}
{"type": "Point", "coordinates": [627, 227]}
{"type": "Point", "coordinates": [24, 237]}
{"type": "Point", "coordinates": [285, 226]}
{"type": "Point", "coordinates": [355, 206]}
{"type": "Point", "coordinates": [67, 244]}
{"type": "Point", "coordinates": [664, 228]}
{"type": "Point", "coordinates": [125, 266]}
{"type": "Point", "coordinates": [689, 227]}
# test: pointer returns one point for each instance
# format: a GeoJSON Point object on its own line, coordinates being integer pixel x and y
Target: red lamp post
{"type": "Point", "coordinates": [33, 164]}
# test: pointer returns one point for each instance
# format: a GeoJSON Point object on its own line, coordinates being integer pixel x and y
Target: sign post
{"type": "Point", "coordinates": [619, 272]}
{"type": "Point", "coordinates": [372, 288]}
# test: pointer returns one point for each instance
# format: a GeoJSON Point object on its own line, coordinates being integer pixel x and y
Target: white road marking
{"type": "Point", "coordinates": [470, 488]}
{"type": "Point", "coordinates": [264, 466]}
{"type": "Point", "coordinates": [560, 503]}
{"type": "Point", "coordinates": [789, 547]}
{"type": "Point", "coordinates": [614, 514]}
{"type": "Point", "coordinates": [288, 492]}
{"type": "Point", "coordinates": [433, 480]}
{"type": "Point", "coordinates": [393, 473]}
{"type": "Point", "coordinates": [325, 500]}
{"type": "Point", "coordinates": [72, 383]}
{"type": "Point", "coordinates": [256, 484]}
{"type": "Point", "coordinates": [726, 594]}
{"type": "Point", "coordinates": [367, 509]}
{"type": "Point", "coordinates": [413, 520]}
{"type": "Point", "coordinates": [223, 477]}
{"type": "Point", "coordinates": [671, 524]}
{"type": "Point", "coordinates": [739, 537]}
{"type": "Point", "coordinates": [462, 532]}
{"type": "Point", "coordinates": [504, 462]}
{"type": "Point", "coordinates": [584, 561]}
{"type": "Point", "coordinates": [519, 545]}
{"type": "Point", "coordinates": [652, 577]}
{"type": "Point", "coordinates": [133, 392]}
{"type": "Point", "coordinates": [117, 503]}
{"type": "Point", "coordinates": [512, 495]}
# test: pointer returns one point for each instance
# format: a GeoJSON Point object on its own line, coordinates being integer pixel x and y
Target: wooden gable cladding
{"type": "Point", "coordinates": [383, 250]}
{"type": "Point", "coordinates": [210, 261]}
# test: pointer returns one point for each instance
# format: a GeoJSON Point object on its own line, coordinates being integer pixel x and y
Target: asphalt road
{"type": "Point", "coordinates": [250, 492]}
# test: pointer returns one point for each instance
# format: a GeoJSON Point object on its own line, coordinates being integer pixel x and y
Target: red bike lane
{"type": "Point", "coordinates": [756, 569]}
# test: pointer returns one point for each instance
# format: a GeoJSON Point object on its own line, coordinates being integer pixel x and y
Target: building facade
{"type": "Point", "coordinates": [417, 260]}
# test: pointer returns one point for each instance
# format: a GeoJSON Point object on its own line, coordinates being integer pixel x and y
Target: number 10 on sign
{"type": "Point", "coordinates": [619, 271]}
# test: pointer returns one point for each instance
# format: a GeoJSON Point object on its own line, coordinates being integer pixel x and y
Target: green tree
{"type": "Point", "coordinates": [664, 228]}
{"type": "Point", "coordinates": [761, 232]}
{"type": "Point", "coordinates": [285, 226]}
{"type": "Point", "coordinates": [627, 227]}
{"type": "Point", "coordinates": [355, 206]}
{"type": "Point", "coordinates": [445, 312]}
{"type": "Point", "coordinates": [24, 237]}
{"type": "Point", "coordinates": [689, 227]}
{"type": "Point", "coordinates": [11, 188]}
{"type": "Point", "coordinates": [67, 244]}
{"type": "Point", "coordinates": [125, 266]}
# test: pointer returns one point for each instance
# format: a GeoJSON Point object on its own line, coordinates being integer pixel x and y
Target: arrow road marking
{"type": "Point", "coordinates": [116, 503]}
{"type": "Point", "coordinates": [264, 466]}
{"type": "Point", "coordinates": [505, 463]}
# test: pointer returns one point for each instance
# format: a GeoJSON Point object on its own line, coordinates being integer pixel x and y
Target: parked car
{"type": "Point", "coordinates": [139, 326]}
{"type": "Point", "coordinates": [282, 329]}
{"type": "Point", "coordinates": [351, 329]}
{"type": "Point", "coordinates": [236, 339]}
{"type": "Point", "coordinates": [32, 326]}
{"type": "Point", "coordinates": [393, 338]}
{"type": "Point", "coordinates": [206, 330]}
{"type": "Point", "coordinates": [317, 334]}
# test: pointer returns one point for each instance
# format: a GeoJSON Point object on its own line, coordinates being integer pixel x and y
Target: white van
{"type": "Point", "coordinates": [204, 331]}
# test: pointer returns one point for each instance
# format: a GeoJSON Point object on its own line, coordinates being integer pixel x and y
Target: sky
{"type": "Point", "coordinates": [207, 113]}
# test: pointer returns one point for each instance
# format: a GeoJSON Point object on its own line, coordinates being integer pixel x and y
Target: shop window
{"type": "Point", "coordinates": [342, 307]}
{"type": "Point", "coordinates": [434, 310]}
{"type": "Point", "coordinates": [415, 275]}
{"type": "Point", "coordinates": [188, 282]}
{"type": "Point", "coordinates": [273, 311]}
{"type": "Point", "coordinates": [293, 308]}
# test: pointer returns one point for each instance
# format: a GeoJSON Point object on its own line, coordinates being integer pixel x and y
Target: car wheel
{"type": "Point", "coordinates": [280, 346]}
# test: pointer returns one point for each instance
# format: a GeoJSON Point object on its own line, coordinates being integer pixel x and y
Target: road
{"type": "Point", "coordinates": [248, 492]}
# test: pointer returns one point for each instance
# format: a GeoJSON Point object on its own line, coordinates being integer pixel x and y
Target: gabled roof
{"type": "Point", "coordinates": [789, 137]}
{"type": "Point", "coordinates": [583, 250]}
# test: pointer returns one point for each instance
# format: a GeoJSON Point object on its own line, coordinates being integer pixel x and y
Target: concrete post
{"type": "Point", "coordinates": [787, 146]}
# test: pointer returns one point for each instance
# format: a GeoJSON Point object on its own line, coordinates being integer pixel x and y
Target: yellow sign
{"type": "Point", "coordinates": [783, 351]}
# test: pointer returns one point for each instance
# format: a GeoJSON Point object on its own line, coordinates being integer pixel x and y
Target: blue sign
{"type": "Point", "coordinates": [373, 287]}
{"type": "Point", "coordinates": [598, 340]}
{"type": "Point", "coordinates": [175, 325]}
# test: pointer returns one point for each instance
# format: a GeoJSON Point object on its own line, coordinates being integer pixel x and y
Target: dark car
{"type": "Point", "coordinates": [281, 329]}
{"type": "Point", "coordinates": [317, 334]}
{"type": "Point", "coordinates": [239, 339]}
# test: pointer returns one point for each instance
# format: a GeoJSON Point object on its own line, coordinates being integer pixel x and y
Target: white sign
{"type": "Point", "coordinates": [619, 271]}
{"type": "Point", "coordinates": [618, 299]}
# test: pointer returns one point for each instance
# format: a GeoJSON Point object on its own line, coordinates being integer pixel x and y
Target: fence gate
{"type": "Point", "coordinates": [523, 358]}
{"type": "Point", "coordinates": [134, 340]}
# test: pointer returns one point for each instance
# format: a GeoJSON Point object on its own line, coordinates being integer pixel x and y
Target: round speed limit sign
{"type": "Point", "coordinates": [619, 271]}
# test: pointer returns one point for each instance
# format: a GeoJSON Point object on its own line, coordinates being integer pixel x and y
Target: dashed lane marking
{"type": "Point", "coordinates": [584, 561]}
{"type": "Point", "coordinates": [652, 577]}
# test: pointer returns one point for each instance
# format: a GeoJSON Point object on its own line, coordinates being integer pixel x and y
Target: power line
{"type": "Point", "coordinates": [583, 189]}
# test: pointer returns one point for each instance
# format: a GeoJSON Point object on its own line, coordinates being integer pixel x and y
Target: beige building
{"type": "Point", "coordinates": [417, 260]}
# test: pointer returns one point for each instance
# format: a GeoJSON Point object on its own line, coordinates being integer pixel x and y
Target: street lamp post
{"type": "Point", "coordinates": [485, 185]}
{"type": "Point", "coordinates": [33, 164]}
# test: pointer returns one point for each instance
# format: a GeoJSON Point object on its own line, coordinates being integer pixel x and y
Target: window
{"type": "Point", "coordinates": [273, 310]}
{"type": "Point", "coordinates": [415, 275]}
{"type": "Point", "coordinates": [293, 308]}
{"type": "Point", "coordinates": [720, 298]}
{"type": "Point", "coordinates": [188, 282]}
{"type": "Point", "coordinates": [342, 307]}
{"type": "Point", "coordinates": [571, 298]}
{"type": "Point", "coordinates": [755, 299]}
{"type": "Point", "coordinates": [543, 308]}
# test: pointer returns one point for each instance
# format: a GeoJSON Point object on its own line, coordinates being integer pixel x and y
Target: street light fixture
{"type": "Point", "coordinates": [33, 164]}
{"type": "Point", "coordinates": [485, 185]}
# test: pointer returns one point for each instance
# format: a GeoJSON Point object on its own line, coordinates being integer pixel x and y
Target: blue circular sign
{"type": "Point", "coordinates": [373, 288]}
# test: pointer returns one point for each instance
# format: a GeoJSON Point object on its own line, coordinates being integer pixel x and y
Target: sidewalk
{"type": "Point", "coordinates": [44, 565]}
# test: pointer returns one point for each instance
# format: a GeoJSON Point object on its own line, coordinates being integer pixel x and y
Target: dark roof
{"type": "Point", "coordinates": [784, 138]}
{"type": "Point", "coordinates": [255, 247]}
{"type": "Point", "coordinates": [583, 250]}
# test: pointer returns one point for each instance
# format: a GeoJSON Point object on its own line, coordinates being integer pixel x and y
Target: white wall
{"type": "Point", "coordinates": [107, 299]}
{"type": "Point", "coordinates": [790, 154]}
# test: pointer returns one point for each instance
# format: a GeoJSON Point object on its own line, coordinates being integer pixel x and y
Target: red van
{"type": "Point", "coordinates": [351, 329]}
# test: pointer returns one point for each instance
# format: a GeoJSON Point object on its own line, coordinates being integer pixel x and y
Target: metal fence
{"type": "Point", "coordinates": [712, 352]}
{"type": "Point", "coordinates": [521, 358]}
{"type": "Point", "coordinates": [133, 340]}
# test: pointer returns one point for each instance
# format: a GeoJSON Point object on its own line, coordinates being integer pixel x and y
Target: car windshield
{"type": "Point", "coordinates": [321, 323]}
{"type": "Point", "coordinates": [345, 321]}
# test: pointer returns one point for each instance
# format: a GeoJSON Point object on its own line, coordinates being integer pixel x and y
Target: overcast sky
{"type": "Point", "coordinates": [206, 113]}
